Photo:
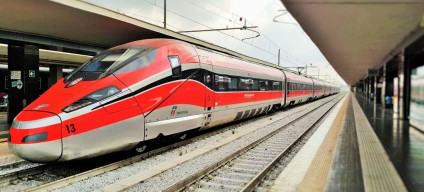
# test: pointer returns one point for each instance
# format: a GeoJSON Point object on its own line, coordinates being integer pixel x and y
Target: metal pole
{"type": "Point", "coordinates": [318, 73]}
{"type": "Point", "coordinates": [375, 89]}
{"type": "Point", "coordinates": [278, 57]}
{"type": "Point", "coordinates": [221, 29]}
{"type": "Point", "coordinates": [306, 69]}
{"type": "Point", "coordinates": [164, 14]}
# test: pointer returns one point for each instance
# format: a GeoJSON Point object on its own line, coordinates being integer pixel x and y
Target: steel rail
{"type": "Point", "coordinates": [199, 174]}
{"type": "Point", "coordinates": [252, 184]}
{"type": "Point", "coordinates": [116, 165]}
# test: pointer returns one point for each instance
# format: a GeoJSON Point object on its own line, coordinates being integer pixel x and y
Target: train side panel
{"type": "Point", "coordinates": [299, 89]}
{"type": "Point", "coordinates": [241, 89]}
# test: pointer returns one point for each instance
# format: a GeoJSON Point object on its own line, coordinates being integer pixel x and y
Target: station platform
{"type": "Point", "coordinates": [360, 146]}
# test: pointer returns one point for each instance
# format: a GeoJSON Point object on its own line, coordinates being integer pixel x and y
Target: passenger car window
{"type": "Point", "coordinates": [219, 83]}
{"type": "Point", "coordinates": [263, 85]}
{"type": "Point", "coordinates": [276, 85]}
{"type": "Point", "coordinates": [255, 85]}
{"type": "Point", "coordinates": [233, 84]}
{"type": "Point", "coordinates": [245, 84]}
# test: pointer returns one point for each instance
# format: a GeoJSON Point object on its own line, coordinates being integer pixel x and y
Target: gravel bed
{"type": "Point", "coordinates": [123, 172]}
{"type": "Point", "coordinates": [8, 160]}
{"type": "Point", "coordinates": [49, 173]}
{"type": "Point", "coordinates": [270, 178]}
{"type": "Point", "coordinates": [39, 174]}
{"type": "Point", "coordinates": [174, 175]}
{"type": "Point", "coordinates": [216, 180]}
{"type": "Point", "coordinates": [18, 166]}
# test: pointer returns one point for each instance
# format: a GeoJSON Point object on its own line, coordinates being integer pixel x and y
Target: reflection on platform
{"type": "Point", "coordinates": [402, 142]}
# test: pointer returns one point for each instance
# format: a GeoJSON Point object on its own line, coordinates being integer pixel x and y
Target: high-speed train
{"type": "Point", "coordinates": [134, 93]}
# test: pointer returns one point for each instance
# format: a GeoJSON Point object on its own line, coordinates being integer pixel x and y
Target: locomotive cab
{"type": "Point", "coordinates": [84, 112]}
{"type": "Point", "coordinates": [114, 101]}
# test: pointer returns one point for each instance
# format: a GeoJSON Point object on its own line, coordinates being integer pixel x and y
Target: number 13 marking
{"type": "Point", "coordinates": [70, 128]}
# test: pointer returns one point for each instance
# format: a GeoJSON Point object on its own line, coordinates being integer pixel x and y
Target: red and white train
{"type": "Point", "coordinates": [145, 89]}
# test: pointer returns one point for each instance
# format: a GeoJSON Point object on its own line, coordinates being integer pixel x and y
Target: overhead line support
{"type": "Point", "coordinates": [222, 29]}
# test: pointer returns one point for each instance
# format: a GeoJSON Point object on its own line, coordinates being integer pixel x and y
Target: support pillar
{"type": "Point", "coordinates": [382, 87]}
{"type": "Point", "coordinates": [366, 87]}
{"type": "Point", "coordinates": [369, 87]}
{"type": "Point", "coordinates": [391, 72]}
{"type": "Point", "coordinates": [375, 89]}
{"type": "Point", "coordinates": [55, 74]}
{"type": "Point", "coordinates": [23, 81]}
{"type": "Point", "coordinates": [371, 92]}
{"type": "Point", "coordinates": [401, 85]}
{"type": "Point", "coordinates": [406, 87]}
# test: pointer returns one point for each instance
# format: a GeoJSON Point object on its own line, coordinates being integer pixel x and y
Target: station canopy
{"type": "Point", "coordinates": [357, 35]}
{"type": "Point", "coordinates": [79, 24]}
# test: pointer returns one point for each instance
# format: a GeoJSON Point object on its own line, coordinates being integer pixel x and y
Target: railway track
{"type": "Point", "coordinates": [57, 176]}
{"type": "Point", "coordinates": [244, 169]}
{"type": "Point", "coordinates": [176, 172]}
{"type": "Point", "coordinates": [10, 161]}
{"type": "Point", "coordinates": [22, 175]}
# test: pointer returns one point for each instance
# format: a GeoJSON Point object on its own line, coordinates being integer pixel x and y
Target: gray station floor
{"type": "Point", "coordinates": [366, 148]}
{"type": "Point", "coordinates": [403, 143]}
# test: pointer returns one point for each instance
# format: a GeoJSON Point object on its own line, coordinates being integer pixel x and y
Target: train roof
{"type": "Point", "coordinates": [158, 42]}
{"type": "Point", "coordinates": [298, 78]}
{"type": "Point", "coordinates": [226, 60]}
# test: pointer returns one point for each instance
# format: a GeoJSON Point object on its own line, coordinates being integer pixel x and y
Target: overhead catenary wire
{"type": "Point", "coordinates": [288, 58]}
{"type": "Point", "coordinates": [260, 48]}
{"type": "Point", "coordinates": [302, 61]}
{"type": "Point", "coordinates": [262, 34]}
{"type": "Point", "coordinates": [257, 47]}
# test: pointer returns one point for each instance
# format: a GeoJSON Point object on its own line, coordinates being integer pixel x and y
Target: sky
{"type": "Point", "coordinates": [296, 48]}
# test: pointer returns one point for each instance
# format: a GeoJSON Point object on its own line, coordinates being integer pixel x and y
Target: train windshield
{"type": "Point", "coordinates": [105, 62]}
{"type": "Point", "coordinates": [113, 61]}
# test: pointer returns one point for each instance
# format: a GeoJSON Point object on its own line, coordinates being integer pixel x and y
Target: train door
{"type": "Point", "coordinates": [209, 93]}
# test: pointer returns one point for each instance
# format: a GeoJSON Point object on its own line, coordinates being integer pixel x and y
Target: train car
{"type": "Point", "coordinates": [299, 89]}
{"type": "Point", "coordinates": [331, 88]}
{"type": "Point", "coordinates": [335, 89]}
{"type": "Point", "coordinates": [326, 89]}
{"type": "Point", "coordinates": [319, 88]}
{"type": "Point", "coordinates": [140, 91]}
{"type": "Point", "coordinates": [241, 89]}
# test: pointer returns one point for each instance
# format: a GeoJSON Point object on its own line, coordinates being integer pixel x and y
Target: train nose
{"type": "Point", "coordinates": [36, 136]}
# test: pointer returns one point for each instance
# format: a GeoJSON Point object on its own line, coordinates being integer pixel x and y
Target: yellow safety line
{"type": "Point", "coordinates": [378, 171]}
{"type": "Point", "coordinates": [316, 177]}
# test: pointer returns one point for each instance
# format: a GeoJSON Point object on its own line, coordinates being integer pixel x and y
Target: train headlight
{"type": "Point", "coordinates": [92, 98]}
{"type": "Point", "coordinates": [35, 138]}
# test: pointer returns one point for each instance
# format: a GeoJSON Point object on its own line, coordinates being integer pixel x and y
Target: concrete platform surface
{"type": "Point", "coordinates": [350, 157]}
{"type": "Point", "coordinates": [403, 143]}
